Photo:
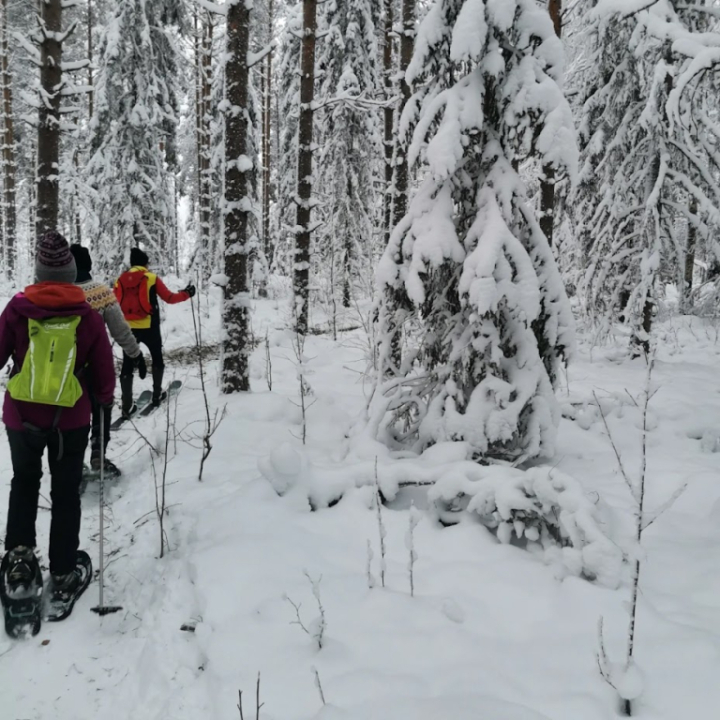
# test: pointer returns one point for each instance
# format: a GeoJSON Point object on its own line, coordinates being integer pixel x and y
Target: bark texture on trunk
{"type": "Point", "coordinates": [8, 149]}
{"type": "Point", "coordinates": [407, 43]}
{"type": "Point", "coordinates": [266, 144]}
{"type": "Point", "coordinates": [547, 180]}
{"type": "Point", "coordinates": [389, 118]}
{"type": "Point", "coordinates": [49, 117]}
{"type": "Point", "coordinates": [301, 269]}
{"type": "Point", "coordinates": [237, 343]}
{"type": "Point", "coordinates": [690, 259]}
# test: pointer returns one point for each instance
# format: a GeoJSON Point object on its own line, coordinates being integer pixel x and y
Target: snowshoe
{"type": "Point", "coordinates": [66, 589]}
{"type": "Point", "coordinates": [21, 591]}
{"type": "Point", "coordinates": [173, 389]}
{"type": "Point", "coordinates": [92, 473]}
{"type": "Point", "coordinates": [138, 406]}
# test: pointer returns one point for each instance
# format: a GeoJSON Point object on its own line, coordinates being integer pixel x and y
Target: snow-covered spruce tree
{"type": "Point", "coordinates": [645, 150]}
{"type": "Point", "coordinates": [133, 143]}
{"type": "Point", "coordinates": [350, 139]}
{"type": "Point", "coordinates": [469, 261]}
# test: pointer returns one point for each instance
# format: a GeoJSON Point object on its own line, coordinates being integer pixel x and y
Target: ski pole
{"type": "Point", "coordinates": [101, 608]}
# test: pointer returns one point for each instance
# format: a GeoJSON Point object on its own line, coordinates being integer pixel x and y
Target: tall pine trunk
{"type": "Point", "coordinates": [203, 26]}
{"type": "Point", "coordinates": [91, 81]}
{"type": "Point", "coordinates": [8, 152]}
{"type": "Point", "coordinates": [49, 117]}
{"type": "Point", "coordinates": [237, 344]}
{"type": "Point", "coordinates": [301, 267]}
{"type": "Point", "coordinates": [547, 180]}
{"type": "Point", "coordinates": [266, 138]}
{"type": "Point", "coordinates": [389, 118]}
{"type": "Point", "coordinates": [407, 43]}
{"type": "Point", "coordinates": [689, 269]}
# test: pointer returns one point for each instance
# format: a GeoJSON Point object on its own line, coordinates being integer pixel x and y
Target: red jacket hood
{"type": "Point", "coordinates": [51, 299]}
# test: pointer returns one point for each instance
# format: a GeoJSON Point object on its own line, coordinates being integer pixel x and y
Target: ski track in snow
{"type": "Point", "coordinates": [491, 632]}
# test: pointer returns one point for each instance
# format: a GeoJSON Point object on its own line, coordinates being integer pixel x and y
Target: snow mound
{"type": "Point", "coordinates": [457, 707]}
{"type": "Point", "coordinates": [538, 507]}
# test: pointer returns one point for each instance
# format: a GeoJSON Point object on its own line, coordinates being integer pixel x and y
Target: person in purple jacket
{"type": "Point", "coordinates": [32, 427]}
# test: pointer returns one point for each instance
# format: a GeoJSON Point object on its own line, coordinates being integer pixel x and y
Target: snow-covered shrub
{"type": "Point", "coordinates": [545, 509]}
{"type": "Point", "coordinates": [469, 261]}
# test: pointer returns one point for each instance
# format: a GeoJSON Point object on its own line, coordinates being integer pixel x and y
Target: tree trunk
{"type": "Point", "coordinates": [8, 153]}
{"type": "Point", "coordinates": [236, 346]}
{"type": "Point", "coordinates": [301, 268]}
{"type": "Point", "coordinates": [267, 149]}
{"type": "Point", "coordinates": [407, 42]}
{"type": "Point", "coordinates": [389, 117]}
{"type": "Point", "coordinates": [687, 301]}
{"type": "Point", "coordinates": [547, 180]}
{"type": "Point", "coordinates": [203, 67]}
{"type": "Point", "coordinates": [91, 94]}
{"type": "Point", "coordinates": [49, 117]}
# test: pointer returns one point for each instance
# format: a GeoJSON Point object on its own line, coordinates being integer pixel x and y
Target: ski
{"type": "Point", "coordinates": [140, 404]}
{"type": "Point", "coordinates": [173, 389]}
{"type": "Point", "coordinates": [59, 604]}
{"type": "Point", "coordinates": [22, 605]}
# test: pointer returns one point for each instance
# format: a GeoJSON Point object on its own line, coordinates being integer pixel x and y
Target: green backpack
{"type": "Point", "coordinates": [47, 375]}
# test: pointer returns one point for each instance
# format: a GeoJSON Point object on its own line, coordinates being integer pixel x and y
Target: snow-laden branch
{"type": "Point", "coordinates": [29, 48]}
{"type": "Point", "coordinates": [212, 7]}
{"type": "Point", "coordinates": [254, 58]}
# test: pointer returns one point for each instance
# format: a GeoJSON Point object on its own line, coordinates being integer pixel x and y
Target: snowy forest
{"type": "Point", "coordinates": [448, 440]}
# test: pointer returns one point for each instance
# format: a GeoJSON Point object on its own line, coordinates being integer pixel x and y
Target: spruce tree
{"type": "Point", "coordinates": [469, 264]}
{"type": "Point", "coordinates": [133, 143]}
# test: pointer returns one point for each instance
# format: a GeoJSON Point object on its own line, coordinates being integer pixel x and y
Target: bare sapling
{"type": "Point", "coordinates": [212, 420]}
{"type": "Point", "coordinates": [298, 344]}
{"type": "Point", "coordinates": [318, 685]}
{"type": "Point", "coordinates": [268, 363]}
{"type": "Point", "coordinates": [258, 704]}
{"type": "Point", "coordinates": [382, 532]}
{"type": "Point", "coordinates": [413, 521]}
{"type": "Point", "coordinates": [626, 678]}
{"type": "Point", "coordinates": [161, 482]}
{"type": "Point", "coordinates": [371, 581]}
{"type": "Point", "coordinates": [317, 628]}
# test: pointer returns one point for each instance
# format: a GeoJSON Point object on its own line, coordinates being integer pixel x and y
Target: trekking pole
{"type": "Point", "coordinates": [101, 608]}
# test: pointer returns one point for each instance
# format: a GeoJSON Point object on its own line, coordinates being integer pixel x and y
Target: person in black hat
{"type": "Point", "coordinates": [137, 290]}
{"type": "Point", "coordinates": [103, 300]}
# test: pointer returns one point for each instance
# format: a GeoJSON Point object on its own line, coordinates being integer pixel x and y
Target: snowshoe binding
{"type": "Point", "coordinates": [21, 591]}
{"type": "Point", "coordinates": [138, 406]}
{"type": "Point", "coordinates": [173, 389]}
{"type": "Point", "coordinates": [66, 589]}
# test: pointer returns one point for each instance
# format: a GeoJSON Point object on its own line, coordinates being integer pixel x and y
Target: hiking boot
{"type": "Point", "coordinates": [21, 572]}
{"type": "Point", "coordinates": [67, 588]}
{"type": "Point", "coordinates": [126, 386]}
{"type": "Point", "coordinates": [157, 374]}
{"type": "Point", "coordinates": [111, 469]}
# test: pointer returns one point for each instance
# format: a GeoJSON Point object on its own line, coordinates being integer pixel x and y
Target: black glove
{"type": "Point", "coordinates": [141, 366]}
{"type": "Point", "coordinates": [190, 290]}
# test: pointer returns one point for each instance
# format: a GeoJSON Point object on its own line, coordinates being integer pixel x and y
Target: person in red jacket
{"type": "Point", "coordinates": [32, 427]}
{"type": "Point", "coordinates": [137, 290]}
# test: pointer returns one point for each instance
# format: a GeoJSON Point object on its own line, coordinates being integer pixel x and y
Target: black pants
{"type": "Point", "coordinates": [26, 450]}
{"type": "Point", "coordinates": [151, 338]}
{"type": "Point", "coordinates": [95, 432]}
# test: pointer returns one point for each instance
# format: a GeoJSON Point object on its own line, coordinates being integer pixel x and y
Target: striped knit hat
{"type": "Point", "coordinates": [53, 261]}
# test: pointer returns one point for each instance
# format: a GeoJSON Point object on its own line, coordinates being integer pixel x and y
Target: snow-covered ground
{"type": "Point", "coordinates": [492, 632]}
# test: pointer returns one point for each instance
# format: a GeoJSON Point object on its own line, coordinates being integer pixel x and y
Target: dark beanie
{"type": "Point", "coordinates": [138, 257]}
{"type": "Point", "coordinates": [83, 262]}
{"type": "Point", "coordinates": [53, 260]}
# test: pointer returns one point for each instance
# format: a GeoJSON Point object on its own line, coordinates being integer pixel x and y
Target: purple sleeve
{"type": "Point", "coordinates": [101, 364]}
{"type": "Point", "coordinates": [7, 336]}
